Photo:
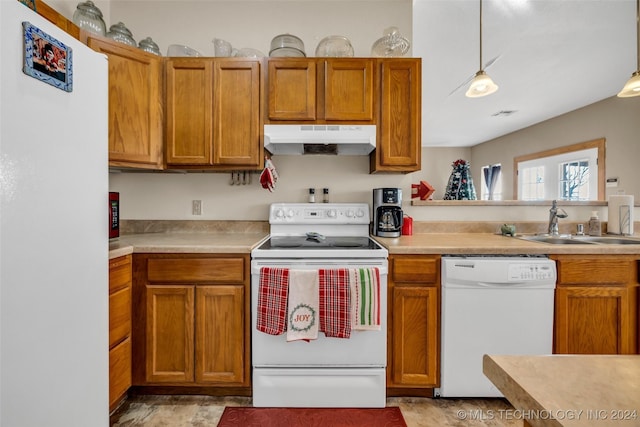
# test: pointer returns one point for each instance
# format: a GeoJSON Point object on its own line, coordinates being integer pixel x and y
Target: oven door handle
{"type": "Point", "coordinates": [311, 265]}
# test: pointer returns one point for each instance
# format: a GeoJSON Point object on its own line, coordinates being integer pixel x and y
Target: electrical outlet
{"type": "Point", "coordinates": [196, 207]}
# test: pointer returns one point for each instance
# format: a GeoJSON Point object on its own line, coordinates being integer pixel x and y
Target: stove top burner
{"type": "Point", "coordinates": [330, 242]}
{"type": "Point", "coordinates": [347, 244]}
{"type": "Point", "coordinates": [288, 245]}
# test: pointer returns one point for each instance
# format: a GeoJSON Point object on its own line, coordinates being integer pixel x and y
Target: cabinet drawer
{"type": "Point", "coordinates": [409, 269]}
{"type": "Point", "coordinates": [119, 371]}
{"type": "Point", "coordinates": [119, 316]}
{"type": "Point", "coordinates": [119, 273]}
{"type": "Point", "coordinates": [605, 271]}
{"type": "Point", "coordinates": [190, 270]}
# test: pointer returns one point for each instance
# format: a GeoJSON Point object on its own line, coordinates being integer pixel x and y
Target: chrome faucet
{"type": "Point", "coordinates": [554, 214]}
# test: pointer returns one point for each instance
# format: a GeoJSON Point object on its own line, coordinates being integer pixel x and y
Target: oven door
{"type": "Point", "coordinates": [362, 349]}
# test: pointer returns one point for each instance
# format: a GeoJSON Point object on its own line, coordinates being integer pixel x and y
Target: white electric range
{"type": "Point", "coordinates": [326, 372]}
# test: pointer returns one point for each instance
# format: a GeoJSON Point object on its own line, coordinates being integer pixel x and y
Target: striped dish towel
{"type": "Point", "coordinates": [365, 298]}
{"type": "Point", "coordinates": [272, 300]}
{"type": "Point", "coordinates": [335, 302]}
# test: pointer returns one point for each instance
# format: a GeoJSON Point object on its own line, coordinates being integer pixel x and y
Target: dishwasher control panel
{"type": "Point", "coordinates": [522, 272]}
{"type": "Point", "coordinates": [465, 271]}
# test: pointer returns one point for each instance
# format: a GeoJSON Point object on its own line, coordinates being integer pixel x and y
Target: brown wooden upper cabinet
{"type": "Point", "coordinates": [386, 92]}
{"type": "Point", "coordinates": [135, 105]}
{"type": "Point", "coordinates": [399, 127]}
{"type": "Point", "coordinates": [213, 113]}
{"type": "Point", "coordinates": [313, 90]}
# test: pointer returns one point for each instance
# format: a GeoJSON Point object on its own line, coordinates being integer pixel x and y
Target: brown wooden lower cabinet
{"type": "Point", "coordinates": [169, 339]}
{"type": "Point", "coordinates": [413, 353]}
{"type": "Point", "coordinates": [192, 324]}
{"type": "Point", "coordinates": [596, 304]}
{"type": "Point", "coordinates": [119, 329]}
{"type": "Point", "coordinates": [119, 372]}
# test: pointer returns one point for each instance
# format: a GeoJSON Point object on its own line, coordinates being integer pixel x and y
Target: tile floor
{"type": "Point", "coordinates": [201, 411]}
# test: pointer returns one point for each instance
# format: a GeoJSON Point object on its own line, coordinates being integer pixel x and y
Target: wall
{"type": "Point", "coordinates": [196, 23]}
{"type": "Point", "coordinates": [68, 7]}
{"type": "Point", "coordinates": [254, 23]}
{"type": "Point", "coordinates": [615, 119]}
{"type": "Point", "coordinates": [169, 195]}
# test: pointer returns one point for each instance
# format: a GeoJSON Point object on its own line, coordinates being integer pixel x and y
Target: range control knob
{"type": "Point", "coordinates": [290, 213]}
{"type": "Point", "coordinates": [331, 213]}
{"type": "Point", "coordinates": [349, 213]}
{"type": "Point", "coordinates": [279, 213]}
{"type": "Point", "coordinates": [360, 213]}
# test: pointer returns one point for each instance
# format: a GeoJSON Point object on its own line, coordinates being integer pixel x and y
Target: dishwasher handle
{"type": "Point", "coordinates": [532, 284]}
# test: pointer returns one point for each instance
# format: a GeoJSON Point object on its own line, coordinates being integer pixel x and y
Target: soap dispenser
{"type": "Point", "coordinates": [595, 228]}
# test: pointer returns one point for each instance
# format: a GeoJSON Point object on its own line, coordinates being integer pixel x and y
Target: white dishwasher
{"type": "Point", "coordinates": [492, 305]}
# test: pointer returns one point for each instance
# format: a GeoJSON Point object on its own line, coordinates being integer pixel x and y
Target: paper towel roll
{"type": "Point", "coordinates": [620, 220]}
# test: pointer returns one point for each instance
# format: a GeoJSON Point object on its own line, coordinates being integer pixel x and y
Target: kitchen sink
{"type": "Point", "coordinates": [609, 240]}
{"type": "Point", "coordinates": [554, 240]}
{"type": "Point", "coordinates": [566, 239]}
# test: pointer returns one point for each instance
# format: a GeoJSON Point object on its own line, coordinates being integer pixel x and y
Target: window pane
{"type": "Point", "coordinates": [574, 180]}
{"type": "Point", "coordinates": [532, 183]}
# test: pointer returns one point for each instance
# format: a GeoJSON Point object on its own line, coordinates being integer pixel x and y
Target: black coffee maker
{"type": "Point", "coordinates": [387, 212]}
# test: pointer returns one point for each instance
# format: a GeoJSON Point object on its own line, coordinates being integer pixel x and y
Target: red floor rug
{"type": "Point", "coordinates": [311, 417]}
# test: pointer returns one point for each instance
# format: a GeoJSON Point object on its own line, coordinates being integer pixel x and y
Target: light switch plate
{"type": "Point", "coordinates": [196, 207]}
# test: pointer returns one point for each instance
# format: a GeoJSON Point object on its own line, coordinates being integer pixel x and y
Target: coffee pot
{"type": "Point", "coordinates": [387, 212]}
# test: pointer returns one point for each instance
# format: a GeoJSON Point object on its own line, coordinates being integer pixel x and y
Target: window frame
{"type": "Point", "coordinates": [599, 144]}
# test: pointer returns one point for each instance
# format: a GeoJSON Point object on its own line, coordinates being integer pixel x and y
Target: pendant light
{"type": "Point", "coordinates": [632, 87]}
{"type": "Point", "coordinates": [481, 85]}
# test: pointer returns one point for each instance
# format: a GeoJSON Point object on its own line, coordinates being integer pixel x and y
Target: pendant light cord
{"type": "Point", "coordinates": [637, 33]}
{"type": "Point", "coordinates": [481, 36]}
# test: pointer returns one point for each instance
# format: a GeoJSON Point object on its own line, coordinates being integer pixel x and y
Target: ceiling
{"type": "Point", "coordinates": [548, 57]}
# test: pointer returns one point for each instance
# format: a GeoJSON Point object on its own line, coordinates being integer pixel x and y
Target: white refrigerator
{"type": "Point", "coordinates": [54, 365]}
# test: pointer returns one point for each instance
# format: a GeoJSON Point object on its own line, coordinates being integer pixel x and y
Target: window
{"type": "Point", "coordinates": [491, 182]}
{"type": "Point", "coordinates": [574, 180]}
{"type": "Point", "coordinates": [532, 183]}
{"type": "Point", "coordinates": [575, 172]}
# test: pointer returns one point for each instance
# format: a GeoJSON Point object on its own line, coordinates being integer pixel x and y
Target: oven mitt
{"type": "Point", "coordinates": [266, 179]}
{"type": "Point", "coordinates": [269, 175]}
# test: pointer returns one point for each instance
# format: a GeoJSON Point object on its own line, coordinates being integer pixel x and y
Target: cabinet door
{"type": "Point", "coordinates": [119, 371]}
{"type": "Point", "coordinates": [236, 112]}
{"type": "Point", "coordinates": [120, 374]}
{"type": "Point", "coordinates": [291, 89]}
{"type": "Point", "coordinates": [596, 304]}
{"type": "Point", "coordinates": [348, 89]}
{"type": "Point", "coordinates": [119, 315]}
{"type": "Point", "coordinates": [220, 355]}
{"type": "Point", "coordinates": [135, 105]}
{"type": "Point", "coordinates": [595, 320]}
{"type": "Point", "coordinates": [189, 121]}
{"type": "Point", "coordinates": [399, 142]}
{"type": "Point", "coordinates": [414, 346]}
{"type": "Point", "coordinates": [170, 335]}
